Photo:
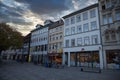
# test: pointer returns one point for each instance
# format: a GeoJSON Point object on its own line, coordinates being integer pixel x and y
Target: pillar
{"type": "Point", "coordinates": [101, 58]}
{"type": "Point", "coordinates": [68, 59]}
{"type": "Point", "coordinates": [104, 59]}
{"type": "Point", "coordinates": [63, 58]}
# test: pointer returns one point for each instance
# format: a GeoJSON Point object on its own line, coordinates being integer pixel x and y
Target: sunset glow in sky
{"type": "Point", "coordinates": [25, 14]}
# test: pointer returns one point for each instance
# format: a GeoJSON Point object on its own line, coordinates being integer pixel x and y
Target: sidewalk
{"type": "Point", "coordinates": [11, 70]}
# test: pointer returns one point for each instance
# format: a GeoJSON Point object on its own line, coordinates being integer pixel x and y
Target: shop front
{"type": "Point", "coordinates": [85, 59]}
{"type": "Point", "coordinates": [113, 59]}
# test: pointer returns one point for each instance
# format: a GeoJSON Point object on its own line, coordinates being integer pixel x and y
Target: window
{"type": "Point", "coordinates": [67, 31]}
{"type": "Point", "coordinates": [103, 5]}
{"type": "Point", "coordinates": [110, 18]}
{"type": "Point", "coordinates": [78, 18]}
{"type": "Point", "coordinates": [107, 18]}
{"type": "Point", "coordinates": [50, 46]}
{"type": "Point", "coordinates": [72, 20]}
{"type": "Point", "coordinates": [107, 36]}
{"type": "Point", "coordinates": [72, 42]}
{"type": "Point", "coordinates": [108, 4]}
{"type": "Point", "coordinates": [79, 41]}
{"type": "Point", "coordinates": [113, 35]}
{"type": "Point", "coordinates": [60, 44]}
{"type": "Point", "coordinates": [94, 39]}
{"type": "Point", "coordinates": [45, 47]}
{"type": "Point", "coordinates": [79, 29]}
{"type": "Point", "coordinates": [73, 30]}
{"type": "Point", "coordinates": [57, 38]}
{"type": "Point", "coordinates": [92, 13]}
{"type": "Point", "coordinates": [67, 43]}
{"type": "Point", "coordinates": [86, 41]}
{"type": "Point", "coordinates": [118, 15]}
{"type": "Point", "coordinates": [60, 36]}
{"type": "Point", "coordinates": [93, 25]}
{"type": "Point", "coordinates": [53, 38]}
{"type": "Point", "coordinates": [85, 27]}
{"type": "Point", "coordinates": [85, 15]}
{"type": "Point", "coordinates": [61, 28]}
{"type": "Point", "coordinates": [119, 33]}
{"type": "Point", "coordinates": [66, 22]}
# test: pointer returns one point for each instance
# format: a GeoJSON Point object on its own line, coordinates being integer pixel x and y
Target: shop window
{"type": "Point", "coordinates": [113, 57]}
{"type": "Point", "coordinates": [72, 59]}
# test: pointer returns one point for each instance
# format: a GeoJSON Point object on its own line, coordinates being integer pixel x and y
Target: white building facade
{"type": "Point", "coordinates": [82, 42]}
{"type": "Point", "coordinates": [39, 44]}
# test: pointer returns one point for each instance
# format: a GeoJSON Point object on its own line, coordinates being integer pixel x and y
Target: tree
{"type": "Point", "coordinates": [9, 37]}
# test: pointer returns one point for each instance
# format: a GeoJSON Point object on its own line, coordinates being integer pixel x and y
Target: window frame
{"type": "Point", "coordinates": [88, 40]}
{"type": "Point", "coordinates": [79, 41]}
{"type": "Point", "coordinates": [86, 25]}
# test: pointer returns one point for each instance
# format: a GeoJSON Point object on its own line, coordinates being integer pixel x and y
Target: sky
{"type": "Point", "coordinates": [24, 15]}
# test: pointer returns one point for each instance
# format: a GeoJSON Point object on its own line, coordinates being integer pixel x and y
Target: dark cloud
{"type": "Point", "coordinates": [15, 11]}
{"type": "Point", "coordinates": [46, 6]}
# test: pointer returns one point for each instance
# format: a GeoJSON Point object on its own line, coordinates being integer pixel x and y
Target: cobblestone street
{"type": "Point", "coordinates": [11, 70]}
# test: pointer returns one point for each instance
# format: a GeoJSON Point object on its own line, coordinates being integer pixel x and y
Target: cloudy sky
{"type": "Point", "coordinates": [25, 14]}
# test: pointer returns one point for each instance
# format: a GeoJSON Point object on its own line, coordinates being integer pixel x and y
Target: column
{"type": "Point", "coordinates": [63, 58]}
{"type": "Point", "coordinates": [68, 59]}
{"type": "Point", "coordinates": [104, 59]}
{"type": "Point", "coordinates": [101, 58]}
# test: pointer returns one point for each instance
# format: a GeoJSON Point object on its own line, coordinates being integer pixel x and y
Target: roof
{"type": "Point", "coordinates": [81, 10]}
{"type": "Point", "coordinates": [56, 24]}
{"type": "Point", "coordinates": [41, 27]}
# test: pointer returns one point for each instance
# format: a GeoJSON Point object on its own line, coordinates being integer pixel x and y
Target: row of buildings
{"type": "Point", "coordinates": [89, 37]}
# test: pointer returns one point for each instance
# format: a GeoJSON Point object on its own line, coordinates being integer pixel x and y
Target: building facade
{"type": "Point", "coordinates": [82, 42]}
{"type": "Point", "coordinates": [26, 47]}
{"type": "Point", "coordinates": [110, 32]}
{"type": "Point", "coordinates": [55, 48]}
{"type": "Point", "coordinates": [39, 43]}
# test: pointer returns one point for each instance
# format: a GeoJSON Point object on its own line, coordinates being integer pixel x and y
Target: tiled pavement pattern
{"type": "Point", "coordinates": [11, 70]}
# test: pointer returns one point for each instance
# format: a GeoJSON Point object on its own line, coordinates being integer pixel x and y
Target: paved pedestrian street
{"type": "Point", "coordinates": [12, 70]}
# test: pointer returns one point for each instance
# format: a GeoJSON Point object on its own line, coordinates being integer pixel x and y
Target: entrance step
{"type": "Point", "coordinates": [94, 70]}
